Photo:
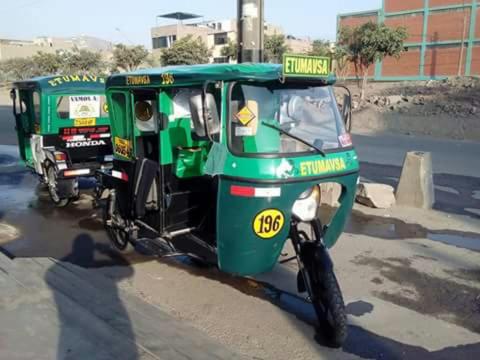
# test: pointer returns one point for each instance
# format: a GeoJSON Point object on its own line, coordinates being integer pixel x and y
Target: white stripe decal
{"type": "Point", "coordinates": [268, 192]}
{"type": "Point", "coordinates": [116, 174]}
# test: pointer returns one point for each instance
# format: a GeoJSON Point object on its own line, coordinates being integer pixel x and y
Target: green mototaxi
{"type": "Point", "coordinates": [63, 130]}
{"type": "Point", "coordinates": [224, 163]}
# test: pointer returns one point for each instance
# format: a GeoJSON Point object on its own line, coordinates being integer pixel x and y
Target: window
{"type": "Point", "coordinates": [220, 60]}
{"type": "Point", "coordinates": [220, 38]}
{"type": "Point", "coordinates": [97, 106]}
{"type": "Point", "coordinates": [163, 42]}
{"type": "Point", "coordinates": [36, 107]}
{"type": "Point", "coordinates": [63, 107]}
{"type": "Point", "coordinates": [268, 119]}
{"type": "Point", "coordinates": [120, 115]}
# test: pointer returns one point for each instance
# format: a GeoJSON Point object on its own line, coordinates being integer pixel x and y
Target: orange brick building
{"type": "Point", "coordinates": [444, 38]}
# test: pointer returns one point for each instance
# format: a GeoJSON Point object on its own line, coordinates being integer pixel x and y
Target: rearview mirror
{"type": "Point", "coordinates": [347, 111]}
{"type": "Point", "coordinates": [143, 110]}
{"type": "Point", "coordinates": [13, 96]}
{"type": "Point", "coordinates": [205, 121]}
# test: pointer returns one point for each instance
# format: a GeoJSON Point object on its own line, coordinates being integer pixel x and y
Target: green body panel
{"type": "Point", "coordinates": [296, 167]}
{"type": "Point", "coordinates": [240, 250]}
{"type": "Point", "coordinates": [188, 155]}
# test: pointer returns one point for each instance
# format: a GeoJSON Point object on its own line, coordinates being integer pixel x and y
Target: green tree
{"type": "Point", "coordinates": [370, 42]}
{"type": "Point", "coordinates": [340, 60]}
{"type": "Point", "coordinates": [128, 58]}
{"type": "Point", "coordinates": [230, 50]}
{"type": "Point", "coordinates": [82, 61]}
{"type": "Point", "coordinates": [17, 69]}
{"type": "Point", "coordinates": [275, 47]}
{"type": "Point", "coordinates": [48, 63]}
{"type": "Point", "coordinates": [186, 51]}
{"type": "Point", "coordinates": [320, 48]}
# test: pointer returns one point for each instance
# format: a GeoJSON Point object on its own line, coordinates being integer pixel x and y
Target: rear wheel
{"type": "Point", "coordinates": [52, 187]}
{"type": "Point", "coordinates": [116, 226]}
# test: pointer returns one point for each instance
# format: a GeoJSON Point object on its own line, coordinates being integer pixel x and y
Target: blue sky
{"type": "Point", "coordinates": [130, 21]}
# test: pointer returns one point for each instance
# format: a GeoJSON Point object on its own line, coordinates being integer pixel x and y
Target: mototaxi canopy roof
{"type": "Point", "coordinates": [198, 74]}
{"type": "Point", "coordinates": [61, 84]}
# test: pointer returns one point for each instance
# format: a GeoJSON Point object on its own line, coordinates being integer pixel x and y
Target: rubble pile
{"type": "Point", "coordinates": [456, 96]}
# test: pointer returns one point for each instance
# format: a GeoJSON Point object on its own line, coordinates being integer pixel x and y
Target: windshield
{"type": "Point", "coordinates": [284, 119]}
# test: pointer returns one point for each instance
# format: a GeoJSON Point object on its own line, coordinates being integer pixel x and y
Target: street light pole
{"type": "Point", "coordinates": [250, 30]}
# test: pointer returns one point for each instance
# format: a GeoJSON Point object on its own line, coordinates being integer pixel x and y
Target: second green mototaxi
{"type": "Point", "coordinates": [63, 130]}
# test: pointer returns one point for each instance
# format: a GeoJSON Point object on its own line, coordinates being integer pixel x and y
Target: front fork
{"type": "Point", "coordinates": [312, 256]}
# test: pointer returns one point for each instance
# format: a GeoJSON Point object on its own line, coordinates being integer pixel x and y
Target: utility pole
{"type": "Point", "coordinates": [250, 30]}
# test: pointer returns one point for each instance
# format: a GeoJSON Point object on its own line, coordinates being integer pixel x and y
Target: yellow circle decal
{"type": "Point", "coordinates": [105, 108]}
{"type": "Point", "coordinates": [268, 223]}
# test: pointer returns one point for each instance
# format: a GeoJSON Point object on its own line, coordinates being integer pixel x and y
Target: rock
{"type": "Point", "coordinates": [415, 187]}
{"type": "Point", "coordinates": [394, 99]}
{"type": "Point", "coordinates": [419, 100]}
{"type": "Point", "coordinates": [378, 196]}
{"type": "Point", "coordinates": [330, 193]}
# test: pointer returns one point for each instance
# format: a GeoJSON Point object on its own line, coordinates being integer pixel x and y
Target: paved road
{"type": "Point", "coordinates": [456, 166]}
{"type": "Point", "coordinates": [7, 126]}
{"type": "Point", "coordinates": [448, 156]}
{"type": "Point", "coordinates": [47, 231]}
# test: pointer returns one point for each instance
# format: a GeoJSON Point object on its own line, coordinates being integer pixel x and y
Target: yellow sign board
{"type": "Point", "coordinates": [85, 122]}
{"type": "Point", "coordinates": [245, 115]}
{"type": "Point", "coordinates": [306, 66]}
{"type": "Point", "coordinates": [268, 223]}
{"type": "Point", "coordinates": [122, 147]}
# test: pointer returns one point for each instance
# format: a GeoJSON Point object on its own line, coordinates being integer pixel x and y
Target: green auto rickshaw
{"type": "Point", "coordinates": [63, 130]}
{"type": "Point", "coordinates": [224, 163]}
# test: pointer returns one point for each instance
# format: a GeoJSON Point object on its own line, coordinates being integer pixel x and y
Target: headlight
{"type": "Point", "coordinates": [306, 193]}
{"type": "Point", "coordinates": [305, 208]}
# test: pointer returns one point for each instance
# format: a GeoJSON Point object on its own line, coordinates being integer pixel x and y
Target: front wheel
{"type": "Point", "coordinates": [330, 308]}
{"type": "Point", "coordinates": [318, 278]}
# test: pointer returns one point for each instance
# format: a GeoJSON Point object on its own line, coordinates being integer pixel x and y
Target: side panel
{"type": "Point", "coordinates": [241, 250]}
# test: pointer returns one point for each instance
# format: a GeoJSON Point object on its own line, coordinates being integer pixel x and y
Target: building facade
{"type": "Point", "coordinates": [444, 38]}
{"type": "Point", "coordinates": [11, 48]}
{"type": "Point", "coordinates": [216, 35]}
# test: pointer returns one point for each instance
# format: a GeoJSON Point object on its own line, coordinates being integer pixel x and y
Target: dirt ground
{"type": "Point", "coordinates": [397, 284]}
{"type": "Point", "coordinates": [447, 109]}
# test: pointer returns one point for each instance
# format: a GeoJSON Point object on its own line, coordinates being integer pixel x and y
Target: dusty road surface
{"type": "Point", "coordinates": [411, 279]}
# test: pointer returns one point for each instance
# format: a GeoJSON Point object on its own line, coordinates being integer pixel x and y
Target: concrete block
{"type": "Point", "coordinates": [415, 188]}
{"type": "Point", "coordinates": [378, 196]}
{"type": "Point", "coordinates": [330, 193]}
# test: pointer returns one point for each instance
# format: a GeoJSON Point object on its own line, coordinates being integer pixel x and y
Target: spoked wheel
{"type": "Point", "coordinates": [116, 226]}
{"type": "Point", "coordinates": [321, 283]}
{"type": "Point", "coordinates": [329, 306]}
{"type": "Point", "coordinates": [52, 187]}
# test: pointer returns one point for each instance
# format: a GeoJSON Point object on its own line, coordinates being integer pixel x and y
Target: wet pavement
{"type": "Point", "coordinates": [46, 231]}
